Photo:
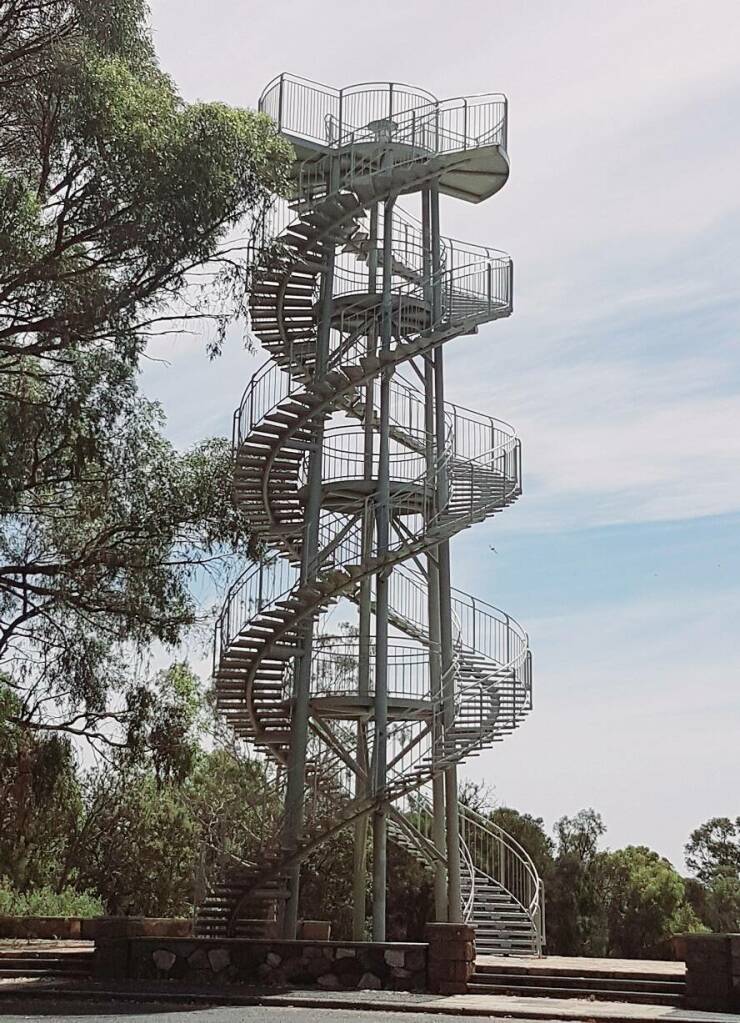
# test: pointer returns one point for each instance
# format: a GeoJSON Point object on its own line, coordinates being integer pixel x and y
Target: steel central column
{"type": "Point", "coordinates": [435, 668]}
{"type": "Point", "coordinates": [382, 516]}
{"type": "Point", "coordinates": [295, 789]}
{"type": "Point", "coordinates": [359, 861]}
{"type": "Point", "coordinates": [454, 903]}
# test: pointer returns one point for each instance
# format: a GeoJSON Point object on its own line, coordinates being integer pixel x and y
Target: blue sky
{"type": "Point", "coordinates": [619, 369]}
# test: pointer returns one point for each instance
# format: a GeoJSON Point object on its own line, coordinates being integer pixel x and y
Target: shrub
{"type": "Point", "coordinates": [46, 902]}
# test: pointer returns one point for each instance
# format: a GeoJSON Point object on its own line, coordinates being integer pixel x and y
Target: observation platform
{"type": "Point", "coordinates": [381, 129]}
{"type": "Point", "coordinates": [352, 707]}
{"type": "Point", "coordinates": [473, 174]}
{"type": "Point", "coordinates": [348, 496]}
{"type": "Point", "coordinates": [409, 313]}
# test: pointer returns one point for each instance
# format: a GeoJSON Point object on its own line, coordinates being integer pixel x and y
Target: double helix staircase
{"type": "Point", "coordinates": [326, 360]}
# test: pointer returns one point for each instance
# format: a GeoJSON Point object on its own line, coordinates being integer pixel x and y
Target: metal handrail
{"type": "Point", "coordinates": [301, 108]}
{"type": "Point", "coordinates": [520, 878]}
{"type": "Point", "coordinates": [480, 457]}
{"type": "Point", "coordinates": [466, 859]}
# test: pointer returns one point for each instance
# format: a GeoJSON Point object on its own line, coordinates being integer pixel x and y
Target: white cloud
{"type": "Point", "coordinates": [618, 213]}
{"type": "Point", "coordinates": [619, 368]}
{"type": "Point", "coordinates": [636, 710]}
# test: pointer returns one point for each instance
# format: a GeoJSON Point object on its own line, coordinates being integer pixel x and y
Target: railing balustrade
{"type": "Point", "coordinates": [383, 111]}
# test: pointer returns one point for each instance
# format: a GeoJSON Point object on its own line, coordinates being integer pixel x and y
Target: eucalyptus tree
{"type": "Point", "coordinates": [122, 213]}
{"type": "Point", "coordinates": [713, 855]}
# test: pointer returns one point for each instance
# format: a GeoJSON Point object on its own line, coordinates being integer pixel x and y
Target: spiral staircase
{"type": "Point", "coordinates": [356, 149]}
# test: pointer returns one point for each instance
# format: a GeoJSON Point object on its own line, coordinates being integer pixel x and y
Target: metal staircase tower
{"type": "Point", "coordinates": [356, 471]}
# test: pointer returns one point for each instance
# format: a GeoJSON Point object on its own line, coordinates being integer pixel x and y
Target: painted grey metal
{"type": "Point", "coordinates": [382, 517]}
{"type": "Point", "coordinates": [430, 268]}
{"type": "Point", "coordinates": [296, 781]}
{"type": "Point", "coordinates": [359, 857]}
{"type": "Point", "coordinates": [364, 511]}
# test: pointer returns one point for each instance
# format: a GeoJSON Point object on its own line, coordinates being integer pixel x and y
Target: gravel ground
{"type": "Point", "coordinates": [90, 1013]}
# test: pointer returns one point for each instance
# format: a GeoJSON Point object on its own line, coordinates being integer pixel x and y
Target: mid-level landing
{"type": "Point", "coordinates": [472, 174]}
{"type": "Point", "coordinates": [352, 707]}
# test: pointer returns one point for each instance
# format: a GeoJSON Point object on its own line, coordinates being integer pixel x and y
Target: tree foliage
{"type": "Point", "coordinates": [713, 854]}
{"type": "Point", "coordinates": [39, 799]}
{"type": "Point", "coordinates": [114, 194]}
{"type": "Point", "coordinates": [714, 848]}
{"type": "Point", "coordinates": [113, 188]}
{"type": "Point", "coordinates": [641, 903]}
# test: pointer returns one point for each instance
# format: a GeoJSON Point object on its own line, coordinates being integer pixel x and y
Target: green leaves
{"type": "Point", "coordinates": [44, 901]}
{"type": "Point", "coordinates": [713, 854]}
{"type": "Point", "coordinates": [642, 901]}
{"type": "Point", "coordinates": [714, 848]}
{"type": "Point", "coordinates": [113, 192]}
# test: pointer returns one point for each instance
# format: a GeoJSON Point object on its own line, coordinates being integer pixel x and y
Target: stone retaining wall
{"type": "Point", "coordinates": [74, 928]}
{"type": "Point", "coordinates": [713, 972]}
{"type": "Point", "coordinates": [64, 928]}
{"type": "Point", "coordinates": [332, 965]}
{"type": "Point", "coordinates": [451, 961]}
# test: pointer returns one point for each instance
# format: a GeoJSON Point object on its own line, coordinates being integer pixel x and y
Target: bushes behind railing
{"type": "Point", "coordinates": [45, 902]}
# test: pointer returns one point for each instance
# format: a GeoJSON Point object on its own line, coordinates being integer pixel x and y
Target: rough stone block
{"type": "Point", "coordinates": [219, 958]}
{"type": "Point", "coordinates": [369, 982]}
{"type": "Point", "coordinates": [273, 959]}
{"type": "Point", "coordinates": [416, 959]}
{"type": "Point", "coordinates": [455, 951]}
{"type": "Point", "coordinates": [329, 981]}
{"type": "Point", "coordinates": [293, 967]}
{"type": "Point", "coordinates": [346, 953]}
{"type": "Point", "coordinates": [346, 967]}
{"type": "Point", "coordinates": [316, 967]}
{"type": "Point", "coordinates": [395, 957]}
{"type": "Point", "coordinates": [163, 959]}
{"type": "Point", "coordinates": [453, 971]}
{"type": "Point", "coordinates": [198, 960]}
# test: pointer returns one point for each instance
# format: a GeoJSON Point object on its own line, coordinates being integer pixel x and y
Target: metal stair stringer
{"type": "Point", "coordinates": [261, 628]}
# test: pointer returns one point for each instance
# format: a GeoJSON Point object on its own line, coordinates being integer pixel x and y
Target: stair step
{"type": "Point", "coordinates": [617, 995]}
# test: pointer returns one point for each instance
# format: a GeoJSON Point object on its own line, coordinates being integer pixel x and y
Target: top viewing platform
{"type": "Point", "coordinates": [468, 133]}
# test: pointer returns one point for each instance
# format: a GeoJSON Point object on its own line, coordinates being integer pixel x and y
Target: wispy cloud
{"type": "Point", "coordinates": [620, 368]}
{"type": "Point", "coordinates": [634, 716]}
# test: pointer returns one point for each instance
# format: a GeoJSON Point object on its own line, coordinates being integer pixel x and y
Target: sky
{"type": "Point", "coordinates": [620, 368]}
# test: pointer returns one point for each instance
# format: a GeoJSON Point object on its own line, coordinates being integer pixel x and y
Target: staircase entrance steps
{"type": "Point", "coordinates": [646, 982]}
{"type": "Point", "coordinates": [54, 961]}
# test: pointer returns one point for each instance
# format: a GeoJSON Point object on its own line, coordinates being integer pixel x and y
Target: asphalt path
{"type": "Point", "coordinates": [158, 1013]}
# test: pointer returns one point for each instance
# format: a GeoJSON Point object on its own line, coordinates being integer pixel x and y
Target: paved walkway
{"type": "Point", "coordinates": [476, 1006]}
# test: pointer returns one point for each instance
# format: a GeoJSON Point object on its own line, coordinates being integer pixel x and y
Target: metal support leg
{"type": "Point", "coordinates": [382, 517]}
{"type": "Point", "coordinates": [435, 665]}
{"type": "Point", "coordinates": [295, 789]}
{"type": "Point", "coordinates": [359, 858]}
{"type": "Point", "coordinates": [359, 862]}
{"type": "Point", "coordinates": [454, 904]}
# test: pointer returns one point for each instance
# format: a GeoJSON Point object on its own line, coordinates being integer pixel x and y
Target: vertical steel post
{"type": "Point", "coordinates": [280, 102]}
{"type": "Point", "coordinates": [295, 788]}
{"type": "Point", "coordinates": [435, 667]}
{"type": "Point", "coordinates": [382, 518]}
{"type": "Point", "coordinates": [359, 862]}
{"type": "Point", "coordinates": [454, 905]}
